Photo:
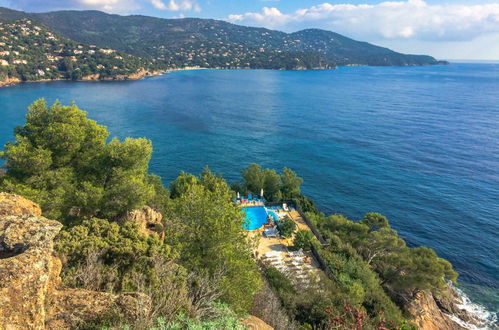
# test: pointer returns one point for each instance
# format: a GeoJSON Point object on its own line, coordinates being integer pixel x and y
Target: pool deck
{"type": "Point", "coordinates": [272, 244]}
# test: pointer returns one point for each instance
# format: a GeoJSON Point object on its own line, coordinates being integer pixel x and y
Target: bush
{"type": "Point", "coordinates": [286, 227]}
{"type": "Point", "coordinates": [268, 307]}
{"type": "Point", "coordinates": [104, 256]}
{"type": "Point", "coordinates": [304, 240]}
{"type": "Point", "coordinates": [225, 318]}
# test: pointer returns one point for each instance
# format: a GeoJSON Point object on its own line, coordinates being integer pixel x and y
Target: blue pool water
{"type": "Point", "coordinates": [256, 217]}
{"type": "Point", "coordinates": [418, 144]}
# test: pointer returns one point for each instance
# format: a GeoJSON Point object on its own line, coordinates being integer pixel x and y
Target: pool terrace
{"type": "Point", "coordinates": [301, 267]}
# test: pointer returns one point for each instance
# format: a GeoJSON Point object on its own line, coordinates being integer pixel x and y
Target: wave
{"type": "Point", "coordinates": [486, 319]}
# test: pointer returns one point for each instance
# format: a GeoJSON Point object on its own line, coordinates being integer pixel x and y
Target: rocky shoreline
{"type": "Point", "coordinates": [93, 77]}
{"type": "Point", "coordinates": [445, 311]}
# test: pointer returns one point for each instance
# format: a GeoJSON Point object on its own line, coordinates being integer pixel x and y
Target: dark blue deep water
{"type": "Point", "coordinates": [418, 144]}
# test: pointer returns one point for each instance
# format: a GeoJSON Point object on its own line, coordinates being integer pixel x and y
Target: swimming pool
{"type": "Point", "coordinates": [256, 216]}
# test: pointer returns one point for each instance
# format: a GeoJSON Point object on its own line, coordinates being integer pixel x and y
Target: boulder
{"type": "Point", "coordinates": [254, 323]}
{"type": "Point", "coordinates": [26, 266]}
{"type": "Point", "coordinates": [147, 219]}
{"type": "Point", "coordinates": [11, 204]}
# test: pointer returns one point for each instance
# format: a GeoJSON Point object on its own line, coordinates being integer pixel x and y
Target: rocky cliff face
{"type": "Point", "coordinates": [426, 314]}
{"type": "Point", "coordinates": [433, 312]}
{"type": "Point", "coordinates": [31, 293]}
{"type": "Point", "coordinates": [9, 81]}
{"type": "Point", "coordinates": [16, 205]}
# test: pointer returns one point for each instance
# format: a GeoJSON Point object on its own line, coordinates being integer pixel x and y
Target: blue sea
{"type": "Point", "coordinates": [417, 144]}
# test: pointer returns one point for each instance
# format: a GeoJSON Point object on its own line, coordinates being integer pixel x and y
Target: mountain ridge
{"type": "Point", "coordinates": [210, 43]}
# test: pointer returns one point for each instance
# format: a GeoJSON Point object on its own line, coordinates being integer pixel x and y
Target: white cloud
{"type": "Point", "coordinates": [411, 19]}
{"type": "Point", "coordinates": [177, 5]}
{"type": "Point", "coordinates": [109, 5]}
{"type": "Point", "coordinates": [113, 6]}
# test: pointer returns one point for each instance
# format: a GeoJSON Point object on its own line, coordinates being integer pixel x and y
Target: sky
{"type": "Point", "coordinates": [445, 29]}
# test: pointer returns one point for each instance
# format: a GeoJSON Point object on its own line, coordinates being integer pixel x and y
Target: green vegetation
{"type": "Point", "coordinates": [205, 225]}
{"type": "Point", "coordinates": [210, 43]}
{"type": "Point", "coordinates": [61, 160]}
{"type": "Point", "coordinates": [223, 318]}
{"type": "Point", "coordinates": [276, 187]}
{"type": "Point", "coordinates": [331, 305]}
{"type": "Point", "coordinates": [286, 227]}
{"type": "Point", "coordinates": [198, 266]}
{"type": "Point", "coordinates": [200, 257]}
{"type": "Point", "coordinates": [31, 52]}
{"type": "Point", "coordinates": [403, 271]}
{"type": "Point", "coordinates": [304, 240]}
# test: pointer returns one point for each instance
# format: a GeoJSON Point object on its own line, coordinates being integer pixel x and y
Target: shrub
{"type": "Point", "coordinates": [102, 255]}
{"type": "Point", "coordinates": [224, 318]}
{"type": "Point", "coordinates": [286, 227]}
{"type": "Point", "coordinates": [304, 240]}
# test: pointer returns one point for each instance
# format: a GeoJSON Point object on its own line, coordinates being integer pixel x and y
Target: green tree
{"type": "Point", "coordinates": [304, 240]}
{"type": "Point", "coordinates": [286, 227]}
{"type": "Point", "coordinates": [290, 184]}
{"type": "Point", "coordinates": [374, 221]}
{"type": "Point", "coordinates": [60, 159]}
{"type": "Point", "coordinates": [182, 184]}
{"type": "Point", "coordinates": [206, 227]}
{"type": "Point", "coordinates": [271, 185]}
{"type": "Point", "coordinates": [253, 178]}
{"type": "Point", "coordinates": [402, 270]}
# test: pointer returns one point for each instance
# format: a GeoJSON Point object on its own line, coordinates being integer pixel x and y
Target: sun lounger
{"type": "Point", "coordinates": [274, 253]}
{"type": "Point", "coordinates": [272, 232]}
{"type": "Point", "coordinates": [298, 253]}
{"type": "Point", "coordinates": [271, 258]}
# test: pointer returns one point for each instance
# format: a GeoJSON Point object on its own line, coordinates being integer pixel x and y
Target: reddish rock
{"type": "Point", "coordinates": [11, 204]}
{"type": "Point", "coordinates": [31, 294]}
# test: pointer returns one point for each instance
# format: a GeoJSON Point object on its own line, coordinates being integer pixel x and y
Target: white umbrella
{"type": "Point", "coordinates": [261, 192]}
{"type": "Point", "coordinates": [238, 195]}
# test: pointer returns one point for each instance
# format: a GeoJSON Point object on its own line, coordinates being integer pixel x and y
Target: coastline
{"type": "Point", "coordinates": [93, 77]}
{"type": "Point", "coordinates": [141, 74]}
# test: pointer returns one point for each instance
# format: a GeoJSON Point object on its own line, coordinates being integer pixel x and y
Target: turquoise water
{"type": "Point", "coordinates": [418, 144]}
{"type": "Point", "coordinates": [256, 217]}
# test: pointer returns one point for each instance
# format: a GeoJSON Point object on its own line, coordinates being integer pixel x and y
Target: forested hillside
{"type": "Point", "coordinates": [30, 52]}
{"type": "Point", "coordinates": [216, 44]}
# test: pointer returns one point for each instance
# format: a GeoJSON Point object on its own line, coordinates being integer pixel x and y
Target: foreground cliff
{"type": "Point", "coordinates": [31, 293]}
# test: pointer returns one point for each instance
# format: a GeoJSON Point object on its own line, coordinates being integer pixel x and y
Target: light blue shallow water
{"type": "Point", "coordinates": [418, 144]}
